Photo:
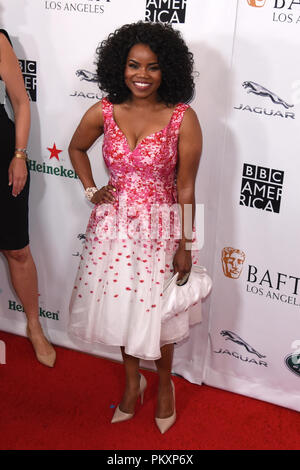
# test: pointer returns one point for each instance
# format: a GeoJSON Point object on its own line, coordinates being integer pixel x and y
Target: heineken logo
{"type": "Point", "coordinates": [51, 170]}
{"type": "Point", "coordinates": [56, 170]}
{"type": "Point", "coordinates": [12, 305]}
{"type": "Point", "coordinates": [292, 361]}
{"type": "Point", "coordinates": [54, 152]}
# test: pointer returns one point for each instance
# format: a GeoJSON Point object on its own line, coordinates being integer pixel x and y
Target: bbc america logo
{"type": "Point", "coordinates": [28, 68]}
{"type": "Point", "coordinates": [261, 188]}
{"type": "Point", "coordinates": [165, 11]}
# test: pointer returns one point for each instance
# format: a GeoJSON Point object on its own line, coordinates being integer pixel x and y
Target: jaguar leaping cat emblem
{"type": "Point", "coordinates": [86, 75]}
{"type": "Point", "coordinates": [229, 335]}
{"type": "Point", "coordinates": [253, 87]}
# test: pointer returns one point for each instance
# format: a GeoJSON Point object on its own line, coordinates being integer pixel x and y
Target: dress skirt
{"type": "Point", "coordinates": [117, 295]}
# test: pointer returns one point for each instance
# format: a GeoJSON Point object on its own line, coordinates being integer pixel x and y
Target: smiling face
{"type": "Point", "coordinates": [142, 73]}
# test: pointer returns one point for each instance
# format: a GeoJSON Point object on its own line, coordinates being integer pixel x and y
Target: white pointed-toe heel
{"type": "Point", "coordinates": [164, 424]}
{"type": "Point", "coordinates": [119, 415]}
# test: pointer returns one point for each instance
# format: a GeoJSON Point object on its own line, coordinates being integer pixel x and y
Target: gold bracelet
{"type": "Point", "coordinates": [20, 155]}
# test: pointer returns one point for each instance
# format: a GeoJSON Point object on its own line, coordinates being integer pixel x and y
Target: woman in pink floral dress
{"type": "Point", "coordinates": [151, 147]}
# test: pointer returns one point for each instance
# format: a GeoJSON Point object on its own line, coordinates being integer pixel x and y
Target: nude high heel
{"type": "Point", "coordinates": [164, 424]}
{"type": "Point", "coordinates": [120, 415]}
{"type": "Point", "coordinates": [45, 359]}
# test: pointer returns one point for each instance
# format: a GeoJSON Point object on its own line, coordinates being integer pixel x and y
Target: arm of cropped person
{"type": "Point", "coordinates": [12, 76]}
{"type": "Point", "coordinates": [189, 152]}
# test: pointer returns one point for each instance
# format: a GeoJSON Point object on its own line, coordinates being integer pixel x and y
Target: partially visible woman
{"type": "Point", "coordinates": [14, 191]}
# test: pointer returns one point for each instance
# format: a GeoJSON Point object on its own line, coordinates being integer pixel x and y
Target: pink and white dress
{"type": "Point", "coordinates": [119, 285]}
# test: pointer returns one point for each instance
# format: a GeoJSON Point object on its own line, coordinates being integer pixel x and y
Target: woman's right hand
{"type": "Point", "coordinates": [104, 195]}
{"type": "Point", "coordinates": [17, 175]}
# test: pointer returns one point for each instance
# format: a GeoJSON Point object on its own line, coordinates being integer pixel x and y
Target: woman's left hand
{"type": "Point", "coordinates": [182, 262]}
{"type": "Point", "coordinates": [17, 175]}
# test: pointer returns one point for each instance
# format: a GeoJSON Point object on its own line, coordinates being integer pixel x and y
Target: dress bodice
{"type": "Point", "coordinates": [146, 174]}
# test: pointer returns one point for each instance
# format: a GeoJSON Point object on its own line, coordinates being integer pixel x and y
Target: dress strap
{"type": "Point", "coordinates": [6, 35]}
{"type": "Point", "coordinates": [107, 110]}
{"type": "Point", "coordinates": [178, 115]}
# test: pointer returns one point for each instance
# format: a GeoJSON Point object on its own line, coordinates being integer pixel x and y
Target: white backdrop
{"type": "Point", "coordinates": [233, 42]}
{"type": "Point", "coordinates": [254, 318]}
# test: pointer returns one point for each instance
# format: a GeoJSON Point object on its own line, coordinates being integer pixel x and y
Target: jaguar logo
{"type": "Point", "coordinates": [82, 238]}
{"type": "Point", "coordinates": [86, 75]}
{"type": "Point", "coordinates": [253, 87]}
{"type": "Point", "coordinates": [229, 335]}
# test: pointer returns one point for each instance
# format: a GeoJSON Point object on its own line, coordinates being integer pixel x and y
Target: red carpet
{"type": "Point", "coordinates": [70, 407]}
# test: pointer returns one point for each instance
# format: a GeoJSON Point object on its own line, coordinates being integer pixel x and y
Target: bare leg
{"type": "Point", "coordinates": [132, 388]}
{"type": "Point", "coordinates": [24, 280]}
{"type": "Point", "coordinates": [165, 402]}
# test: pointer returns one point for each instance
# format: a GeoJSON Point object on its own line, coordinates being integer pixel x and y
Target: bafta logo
{"type": "Point", "coordinates": [232, 262]}
{"type": "Point", "coordinates": [256, 3]}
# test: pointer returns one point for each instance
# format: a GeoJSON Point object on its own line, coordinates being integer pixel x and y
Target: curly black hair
{"type": "Point", "coordinates": [175, 61]}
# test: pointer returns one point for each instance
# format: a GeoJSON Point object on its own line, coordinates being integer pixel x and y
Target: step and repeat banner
{"type": "Point", "coordinates": [254, 332]}
{"type": "Point", "coordinates": [55, 42]}
{"type": "Point", "coordinates": [247, 96]}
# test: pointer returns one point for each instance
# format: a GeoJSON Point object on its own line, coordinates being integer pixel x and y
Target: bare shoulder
{"type": "Point", "coordinates": [5, 46]}
{"type": "Point", "coordinates": [190, 117]}
{"type": "Point", "coordinates": [190, 123]}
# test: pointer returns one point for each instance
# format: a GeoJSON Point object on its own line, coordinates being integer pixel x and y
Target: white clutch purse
{"type": "Point", "coordinates": [178, 298]}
